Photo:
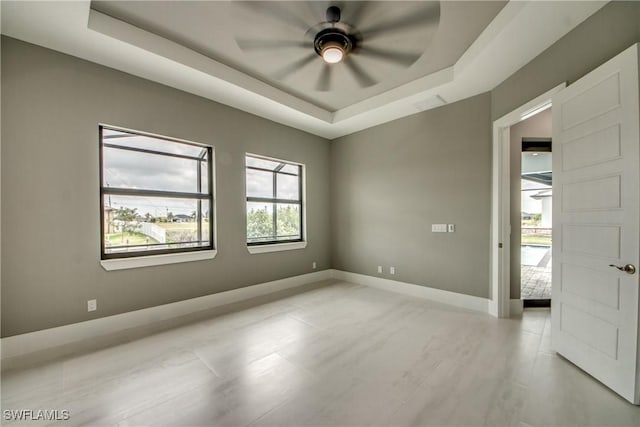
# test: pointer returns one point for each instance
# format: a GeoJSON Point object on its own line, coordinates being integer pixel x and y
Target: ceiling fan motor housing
{"type": "Point", "coordinates": [333, 37]}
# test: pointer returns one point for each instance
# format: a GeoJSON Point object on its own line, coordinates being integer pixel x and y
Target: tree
{"type": "Point", "coordinates": [536, 219]}
{"type": "Point", "coordinates": [169, 216]}
{"type": "Point", "coordinates": [288, 221]}
{"type": "Point", "coordinates": [148, 217]}
{"type": "Point", "coordinates": [260, 222]}
{"type": "Point", "coordinates": [126, 219]}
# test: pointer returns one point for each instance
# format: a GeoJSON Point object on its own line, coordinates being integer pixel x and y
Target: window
{"type": "Point", "coordinates": [156, 195]}
{"type": "Point", "coordinates": [274, 201]}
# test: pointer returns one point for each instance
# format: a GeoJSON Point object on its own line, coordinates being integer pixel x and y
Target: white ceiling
{"type": "Point", "coordinates": [216, 29]}
{"type": "Point", "coordinates": [475, 47]}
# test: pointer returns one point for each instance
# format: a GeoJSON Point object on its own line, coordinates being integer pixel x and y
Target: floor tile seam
{"type": "Point", "coordinates": [168, 399]}
{"type": "Point", "coordinates": [156, 361]}
{"type": "Point", "coordinates": [204, 362]}
{"type": "Point", "coordinates": [89, 387]}
{"type": "Point", "coordinates": [253, 423]}
{"type": "Point", "coordinates": [317, 327]}
{"type": "Point", "coordinates": [313, 375]}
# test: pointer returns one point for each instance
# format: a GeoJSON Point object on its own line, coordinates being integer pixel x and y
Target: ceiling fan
{"type": "Point", "coordinates": [334, 42]}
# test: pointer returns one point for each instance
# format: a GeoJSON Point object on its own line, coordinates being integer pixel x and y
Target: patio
{"type": "Point", "coordinates": [536, 272]}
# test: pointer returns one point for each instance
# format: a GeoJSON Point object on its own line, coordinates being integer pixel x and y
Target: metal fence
{"type": "Point", "coordinates": [536, 231]}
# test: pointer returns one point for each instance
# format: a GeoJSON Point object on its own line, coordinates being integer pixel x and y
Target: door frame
{"type": "Point", "coordinates": [500, 304]}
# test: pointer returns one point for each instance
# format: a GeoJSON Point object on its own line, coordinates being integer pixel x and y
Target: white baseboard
{"type": "Point", "coordinates": [515, 307]}
{"type": "Point", "coordinates": [446, 297]}
{"type": "Point", "coordinates": [22, 344]}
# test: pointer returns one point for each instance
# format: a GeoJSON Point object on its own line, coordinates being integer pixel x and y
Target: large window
{"type": "Point", "coordinates": [156, 195]}
{"type": "Point", "coordinates": [274, 201]}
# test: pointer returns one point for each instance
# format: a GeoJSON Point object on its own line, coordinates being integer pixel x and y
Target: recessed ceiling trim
{"type": "Point", "coordinates": [418, 86]}
{"type": "Point", "coordinates": [130, 34]}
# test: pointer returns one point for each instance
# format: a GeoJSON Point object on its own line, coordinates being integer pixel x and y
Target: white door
{"type": "Point", "coordinates": [596, 177]}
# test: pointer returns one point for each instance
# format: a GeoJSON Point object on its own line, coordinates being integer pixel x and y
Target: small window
{"type": "Point", "coordinates": [274, 201]}
{"type": "Point", "coordinates": [156, 195]}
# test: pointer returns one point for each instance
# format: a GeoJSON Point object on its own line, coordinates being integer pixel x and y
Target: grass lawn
{"type": "Point", "coordinates": [116, 239]}
{"type": "Point", "coordinates": [536, 240]}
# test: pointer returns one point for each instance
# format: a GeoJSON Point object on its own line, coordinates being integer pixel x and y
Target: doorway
{"type": "Point", "coordinates": [505, 299]}
{"type": "Point", "coordinates": [536, 217]}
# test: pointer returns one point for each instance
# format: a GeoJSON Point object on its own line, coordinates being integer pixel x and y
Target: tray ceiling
{"type": "Point", "coordinates": [200, 47]}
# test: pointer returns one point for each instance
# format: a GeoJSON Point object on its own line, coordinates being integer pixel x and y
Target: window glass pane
{"type": "Point", "coordinates": [125, 139]}
{"type": "Point", "coordinates": [135, 223]}
{"type": "Point", "coordinates": [262, 163]}
{"type": "Point", "coordinates": [259, 222]}
{"type": "Point", "coordinates": [131, 169]}
{"type": "Point", "coordinates": [294, 169]}
{"type": "Point", "coordinates": [259, 183]}
{"type": "Point", "coordinates": [204, 177]}
{"type": "Point", "coordinates": [203, 221]}
{"type": "Point", "coordinates": [268, 221]}
{"type": "Point", "coordinates": [288, 187]}
{"type": "Point", "coordinates": [288, 216]}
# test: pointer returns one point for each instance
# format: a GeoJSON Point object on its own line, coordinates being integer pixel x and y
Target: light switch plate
{"type": "Point", "coordinates": [438, 228]}
{"type": "Point", "coordinates": [451, 228]}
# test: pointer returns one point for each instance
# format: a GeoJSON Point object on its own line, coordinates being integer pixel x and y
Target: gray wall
{"type": "Point", "coordinates": [602, 36]}
{"type": "Point", "coordinates": [391, 182]}
{"type": "Point", "coordinates": [538, 126]}
{"type": "Point", "coordinates": [51, 106]}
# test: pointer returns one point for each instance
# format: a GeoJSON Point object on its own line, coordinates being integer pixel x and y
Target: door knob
{"type": "Point", "coordinates": [629, 268]}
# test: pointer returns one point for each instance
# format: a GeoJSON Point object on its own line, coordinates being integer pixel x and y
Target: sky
{"type": "Point", "coordinates": [130, 169]}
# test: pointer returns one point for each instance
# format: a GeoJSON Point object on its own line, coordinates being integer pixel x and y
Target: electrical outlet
{"type": "Point", "coordinates": [314, 265]}
{"type": "Point", "coordinates": [392, 270]}
{"type": "Point", "coordinates": [380, 269]}
{"type": "Point", "coordinates": [92, 305]}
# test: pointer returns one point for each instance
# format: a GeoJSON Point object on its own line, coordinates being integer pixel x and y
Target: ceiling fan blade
{"type": "Point", "coordinates": [354, 11]}
{"type": "Point", "coordinates": [363, 78]}
{"type": "Point", "coordinates": [294, 66]}
{"type": "Point", "coordinates": [427, 17]}
{"type": "Point", "coordinates": [276, 11]}
{"type": "Point", "coordinates": [257, 44]}
{"type": "Point", "coordinates": [324, 80]}
{"type": "Point", "coordinates": [402, 58]}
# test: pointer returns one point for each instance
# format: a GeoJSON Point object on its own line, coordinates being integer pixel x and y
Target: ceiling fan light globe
{"type": "Point", "coordinates": [332, 55]}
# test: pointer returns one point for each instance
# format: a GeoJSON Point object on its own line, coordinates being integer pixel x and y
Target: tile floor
{"type": "Point", "coordinates": [333, 354]}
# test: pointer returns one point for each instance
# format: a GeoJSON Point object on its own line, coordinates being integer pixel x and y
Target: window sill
{"type": "Point", "coordinates": [151, 260]}
{"type": "Point", "coordinates": [276, 247]}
